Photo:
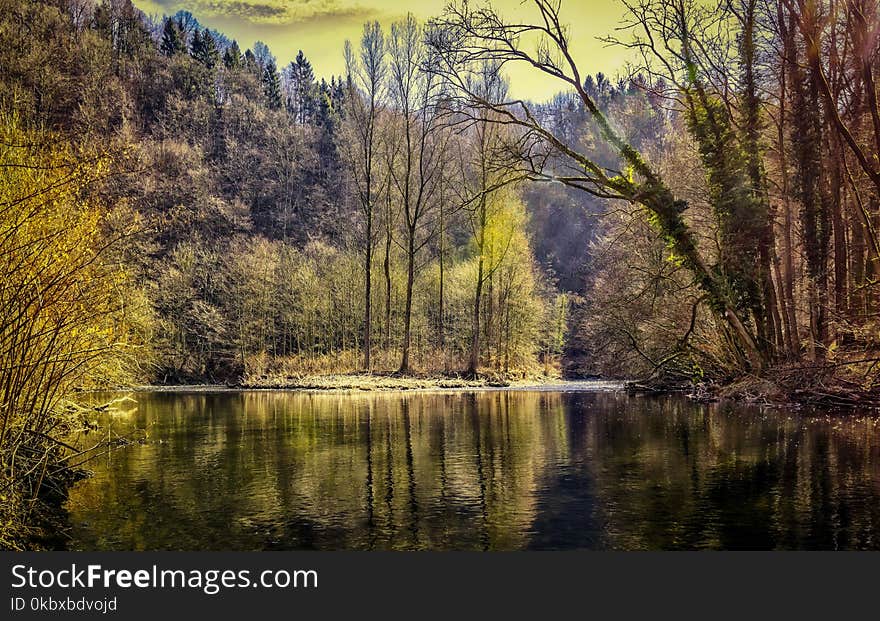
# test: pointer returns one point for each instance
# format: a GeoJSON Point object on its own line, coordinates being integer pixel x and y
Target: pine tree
{"type": "Point", "coordinates": [337, 93]}
{"type": "Point", "coordinates": [324, 104]}
{"type": "Point", "coordinates": [302, 100]}
{"type": "Point", "coordinates": [232, 56]}
{"type": "Point", "coordinates": [172, 41]}
{"type": "Point", "coordinates": [204, 49]}
{"type": "Point", "coordinates": [195, 44]}
{"type": "Point", "coordinates": [327, 121]}
{"type": "Point", "coordinates": [272, 86]}
{"type": "Point", "coordinates": [249, 62]}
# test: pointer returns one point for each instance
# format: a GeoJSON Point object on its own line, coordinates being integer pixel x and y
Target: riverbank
{"type": "Point", "coordinates": [824, 385]}
{"type": "Point", "coordinates": [779, 388]}
{"type": "Point", "coordinates": [392, 383]}
{"type": "Point", "coordinates": [818, 386]}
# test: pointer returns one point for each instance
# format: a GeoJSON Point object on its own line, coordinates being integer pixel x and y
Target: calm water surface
{"type": "Point", "coordinates": [484, 471]}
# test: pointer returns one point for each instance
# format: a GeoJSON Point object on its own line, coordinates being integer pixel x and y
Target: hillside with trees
{"type": "Point", "coordinates": [283, 222]}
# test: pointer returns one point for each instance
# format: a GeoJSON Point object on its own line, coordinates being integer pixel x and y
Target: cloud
{"type": "Point", "coordinates": [252, 11]}
{"type": "Point", "coordinates": [286, 12]}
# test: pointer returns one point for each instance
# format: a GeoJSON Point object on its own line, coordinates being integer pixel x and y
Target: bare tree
{"type": "Point", "coordinates": [481, 148]}
{"type": "Point", "coordinates": [366, 88]}
{"type": "Point", "coordinates": [413, 89]}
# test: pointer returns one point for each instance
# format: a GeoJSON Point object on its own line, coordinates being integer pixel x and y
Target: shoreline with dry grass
{"type": "Point", "coordinates": [779, 389]}
{"type": "Point", "coordinates": [355, 383]}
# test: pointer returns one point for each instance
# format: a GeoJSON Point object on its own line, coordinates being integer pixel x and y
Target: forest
{"type": "Point", "coordinates": [175, 209]}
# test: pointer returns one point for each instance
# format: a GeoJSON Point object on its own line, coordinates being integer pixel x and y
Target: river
{"type": "Point", "coordinates": [494, 470]}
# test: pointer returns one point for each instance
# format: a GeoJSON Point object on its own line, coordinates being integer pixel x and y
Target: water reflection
{"type": "Point", "coordinates": [485, 471]}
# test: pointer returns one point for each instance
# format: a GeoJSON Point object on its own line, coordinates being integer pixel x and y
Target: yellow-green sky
{"type": "Point", "coordinates": [320, 27]}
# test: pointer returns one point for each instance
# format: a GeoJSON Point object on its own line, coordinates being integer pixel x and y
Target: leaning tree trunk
{"type": "Point", "coordinates": [666, 212]}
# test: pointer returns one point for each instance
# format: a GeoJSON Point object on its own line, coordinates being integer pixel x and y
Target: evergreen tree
{"type": "Point", "coordinates": [324, 104]}
{"type": "Point", "coordinates": [272, 86]}
{"type": "Point", "coordinates": [195, 44]}
{"type": "Point", "coordinates": [232, 56]}
{"type": "Point", "coordinates": [327, 121]}
{"type": "Point", "coordinates": [337, 93]}
{"type": "Point", "coordinates": [172, 39]}
{"type": "Point", "coordinates": [204, 49]}
{"type": "Point", "coordinates": [249, 62]}
{"type": "Point", "coordinates": [302, 99]}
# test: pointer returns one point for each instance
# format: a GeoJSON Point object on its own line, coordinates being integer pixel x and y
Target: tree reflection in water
{"type": "Point", "coordinates": [493, 470]}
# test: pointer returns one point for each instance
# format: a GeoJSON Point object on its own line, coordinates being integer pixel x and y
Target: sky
{"type": "Point", "coordinates": [320, 27]}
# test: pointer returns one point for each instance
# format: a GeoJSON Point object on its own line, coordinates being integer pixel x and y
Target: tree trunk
{"type": "Point", "coordinates": [405, 366]}
{"type": "Point", "coordinates": [857, 257]}
{"type": "Point", "coordinates": [666, 213]}
{"type": "Point", "coordinates": [368, 293]}
{"type": "Point", "coordinates": [841, 304]}
{"type": "Point", "coordinates": [387, 269]}
{"type": "Point", "coordinates": [474, 359]}
{"type": "Point", "coordinates": [441, 328]}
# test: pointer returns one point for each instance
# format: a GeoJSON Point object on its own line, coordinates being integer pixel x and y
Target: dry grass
{"type": "Point", "coordinates": [388, 382]}
{"type": "Point", "coordinates": [344, 371]}
{"type": "Point", "coordinates": [364, 382]}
